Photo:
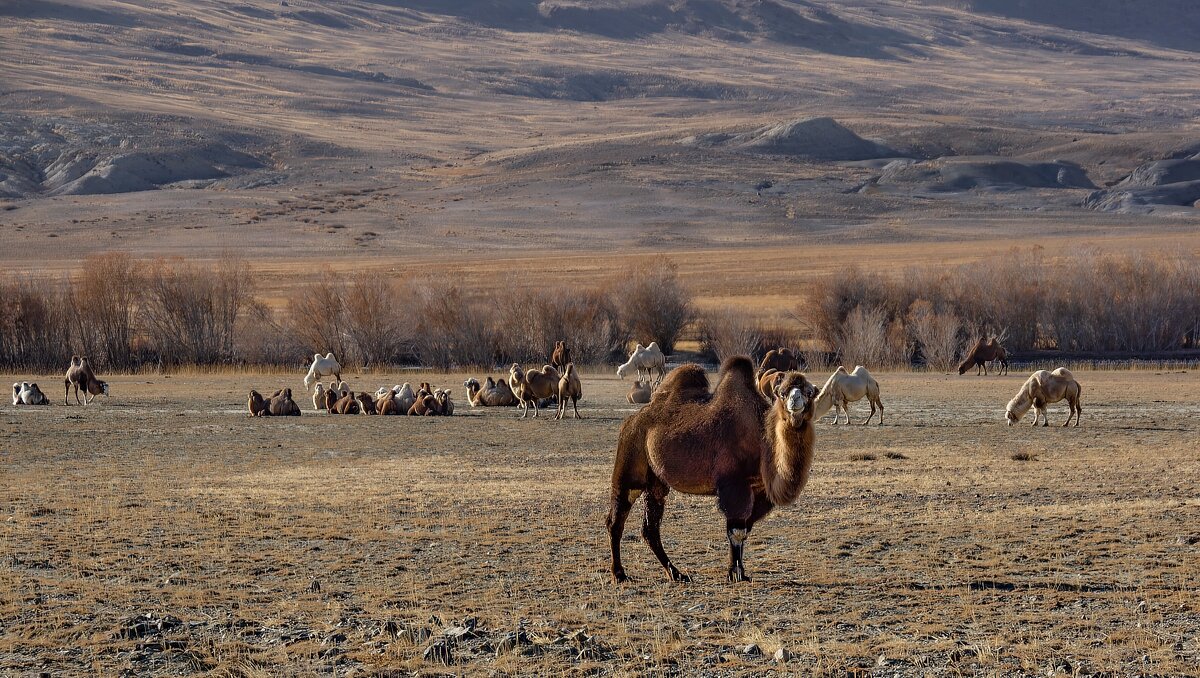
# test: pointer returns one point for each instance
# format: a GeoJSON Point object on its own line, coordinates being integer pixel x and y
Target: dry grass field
{"type": "Point", "coordinates": [162, 532]}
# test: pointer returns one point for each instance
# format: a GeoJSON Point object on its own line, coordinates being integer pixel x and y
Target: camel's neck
{"type": "Point", "coordinates": [788, 458]}
{"type": "Point", "coordinates": [824, 401]}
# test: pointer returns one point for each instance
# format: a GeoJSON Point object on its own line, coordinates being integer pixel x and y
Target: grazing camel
{"type": "Point", "coordinates": [647, 359]}
{"type": "Point", "coordinates": [326, 366]}
{"type": "Point", "coordinates": [767, 380]}
{"type": "Point", "coordinates": [844, 388]}
{"type": "Point", "coordinates": [569, 386]}
{"type": "Point", "coordinates": [1043, 388]}
{"type": "Point", "coordinates": [26, 393]}
{"type": "Point", "coordinates": [781, 360]}
{"type": "Point", "coordinates": [490, 393]}
{"type": "Point", "coordinates": [561, 357]}
{"type": "Point", "coordinates": [532, 386]}
{"type": "Point", "coordinates": [984, 351]}
{"type": "Point", "coordinates": [640, 393]}
{"type": "Point", "coordinates": [732, 444]}
{"type": "Point", "coordinates": [80, 375]}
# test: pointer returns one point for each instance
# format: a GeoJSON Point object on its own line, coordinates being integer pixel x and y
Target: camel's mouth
{"type": "Point", "coordinates": [796, 403]}
{"type": "Point", "coordinates": [1012, 418]}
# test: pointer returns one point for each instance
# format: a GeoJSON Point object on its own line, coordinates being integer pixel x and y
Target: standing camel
{"type": "Point", "coordinates": [732, 444]}
{"type": "Point", "coordinates": [983, 352]}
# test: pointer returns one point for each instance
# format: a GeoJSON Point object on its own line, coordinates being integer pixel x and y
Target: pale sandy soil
{"type": "Point", "coordinates": [334, 545]}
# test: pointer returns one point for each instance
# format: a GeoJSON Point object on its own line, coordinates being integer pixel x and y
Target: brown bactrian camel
{"type": "Point", "coordinates": [732, 444]}
{"type": "Point", "coordinates": [561, 356]}
{"type": "Point", "coordinates": [780, 359]}
{"type": "Point", "coordinates": [983, 352]}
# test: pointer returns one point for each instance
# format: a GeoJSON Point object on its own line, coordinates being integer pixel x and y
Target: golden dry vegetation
{"type": "Point", "coordinates": [162, 532]}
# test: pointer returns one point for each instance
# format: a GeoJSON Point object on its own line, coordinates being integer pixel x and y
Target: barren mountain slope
{"type": "Point", "coordinates": [386, 127]}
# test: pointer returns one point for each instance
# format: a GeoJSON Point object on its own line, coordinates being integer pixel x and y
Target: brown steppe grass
{"type": "Point", "coordinates": [162, 532]}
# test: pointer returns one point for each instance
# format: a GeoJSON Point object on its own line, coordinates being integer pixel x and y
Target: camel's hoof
{"type": "Point", "coordinates": [620, 577]}
{"type": "Point", "coordinates": [680, 577]}
{"type": "Point", "coordinates": [736, 576]}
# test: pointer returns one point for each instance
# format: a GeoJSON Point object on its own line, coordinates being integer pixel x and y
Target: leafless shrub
{"type": "Point", "coordinates": [190, 312]}
{"type": "Point", "coordinates": [35, 324]}
{"type": "Point", "coordinates": [726, 332]}
{"type": "Point", "coordinates": [373, 321]}
{"type": "Point", "coordinates": [451, 329]}
{"type": "Point", "coordinates": [653, 303]}
{"type": "Point", "coordinates": [937, 334]}
{"type": "Point", "coordinates": [1024, 456]}
{"type": "Point", "coordinates": [104, 303]}
{"type": "Point", "coordinates": [316, 314]}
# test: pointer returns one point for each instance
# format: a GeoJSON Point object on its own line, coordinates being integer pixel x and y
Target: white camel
{"type": "Point", "coordinates": [326, 366]}
{"type": "Point", "coordinates": [645, 359]}
{"type": "Point", "coordinates": [844, 388]}
{"type": "Point", "coordinates": [1043, 388]}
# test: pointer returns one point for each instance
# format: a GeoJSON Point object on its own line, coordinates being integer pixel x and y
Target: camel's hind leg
{"type": "Point", "coordinates": [622, 502]}
{"type": "Point", "coordinates": [575, 405]}
{"type": "Point", "coordinates": [656, 504]}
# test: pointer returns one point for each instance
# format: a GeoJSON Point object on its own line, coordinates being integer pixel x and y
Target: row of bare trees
{"type": "Point", "coordinates": [1088, 301]}
{"type": "Point", "coordinates": [127, 314]}
{"type": "Point", "coordinates": [124, 313]}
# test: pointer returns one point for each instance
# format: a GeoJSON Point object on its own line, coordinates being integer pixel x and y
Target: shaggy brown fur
{"type": "Point", "coordinates": [984, 351]}
{"type": "Point", "coordinates": [347, 404]}
{"type": "Point", "coordinates": [569, 386]}
{"type": "Point", "coordinates": [81, 376]}
{"type": "Point", "coordinates": [282, 405]}
{"type": "Point", "coordinates": [780, 359]}
{"type": "Point", "coordinates": [366, 403]}
{"type": "Point", "coordinates": [561, 357]}
{"type": "Point", "coordinates": [425, 406]}
{"type": "Point", "coordinates": [332, 396]}
{"type": "Point", "coordinates": [767, 382]}
{"type": "Point", "coordinates": [640, 393]}
{"type": "Point", "coordinates": [732, 444]}
{"type": "Point", "coordinates": [532, 386]}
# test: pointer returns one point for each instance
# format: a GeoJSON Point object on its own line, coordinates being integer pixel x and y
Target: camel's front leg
{"type": "Point", "coordinates": [736, 501]}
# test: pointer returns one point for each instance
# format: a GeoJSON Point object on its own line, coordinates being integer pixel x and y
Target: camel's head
{"type": "Point", "coordinates": [104, 388]}
{"type": "Point", "coordinates": [308, 382]}
{"type": "Point", "coordinates": [622, 370]}
{"type": "Point", "coordinates": [797, 395]}
{"type": "Point", "coordinates": [1011, 416]}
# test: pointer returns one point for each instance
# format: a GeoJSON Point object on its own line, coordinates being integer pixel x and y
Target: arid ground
{"type": "Point", "coordinates": [162, 532]}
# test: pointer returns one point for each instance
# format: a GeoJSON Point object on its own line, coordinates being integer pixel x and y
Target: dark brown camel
{"type": "Point", "coordinates": [781, 359]}
{"type": "Point", "coordinates": [732, 444]}
{"type": "Point", "coordinates": [984, 351]}
{"type": "Point", "coordinates": [561, 357]}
